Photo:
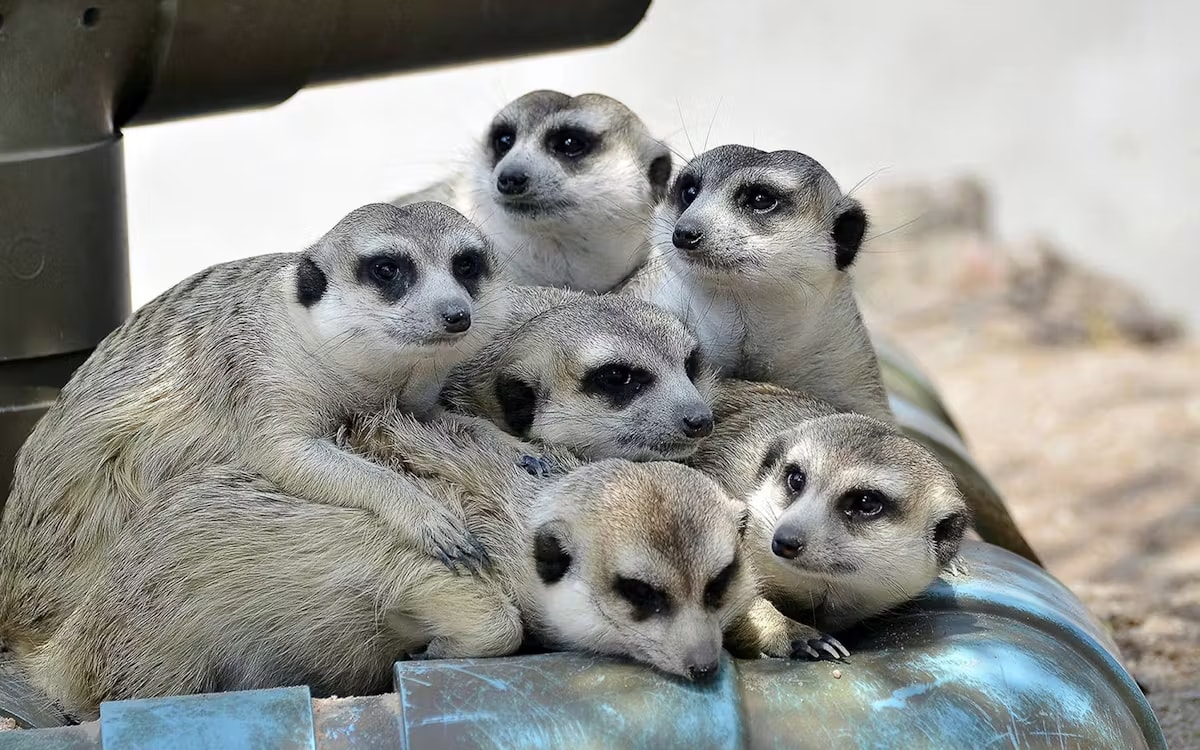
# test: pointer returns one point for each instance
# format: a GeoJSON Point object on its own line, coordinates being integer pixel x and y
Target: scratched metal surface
{"type": "Point", "coordinates": [277, 719]}
{"type": "Point", "coordinates": [1001, 656]}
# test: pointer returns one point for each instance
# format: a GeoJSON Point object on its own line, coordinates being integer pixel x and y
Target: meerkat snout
{"type": "Point", "coordinates": [686, 238]}
{"type": "Point", "coordinates": [512, 182]}
{"type": "Point", "coordinates": [698, 421]}
{"type": "Point", "coordinates": [456, 317]}
{"type": "Point", "coordinates": [787, 542]}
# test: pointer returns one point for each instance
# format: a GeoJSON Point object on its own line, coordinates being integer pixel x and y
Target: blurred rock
{"type": "Point", "coordinates": [932, 254]}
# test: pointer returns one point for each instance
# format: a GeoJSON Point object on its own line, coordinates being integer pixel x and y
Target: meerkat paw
{"type": "Point", "coordinates": [538, 466]}
{"type": "Point", "coordinates": [816, 647]}
{"type": "Point", "coordinates": [448, 539]}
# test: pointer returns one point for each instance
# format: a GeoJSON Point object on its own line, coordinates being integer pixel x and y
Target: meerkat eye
{"type": "Point", "coordinates": [796, 480]}
{"type": "Point", "coordinates": [714, 592]}
{"type": "Point", "coordinates": [863, 503]}
{"type": "Point", "coordinates": [688, 190]}
{"type": "Point", "coordinates": [570, 143]}
{"type": "Point", "coordinates": [646, 600]}
{"type": "Point", "coordinates": [759, 199]}
{"type": "Point", "coordinates": [503, 140]}
{"type": "Point", "coordinates": [384, 270]}
{"type": "Point", "coordinates": [616, 376]}
{"type": "Point", "coordinates": [617, 382]}
{"type": "Point", "coordinates": [468, 265]}
{"type": "Point", "coordinates": [692, 365]}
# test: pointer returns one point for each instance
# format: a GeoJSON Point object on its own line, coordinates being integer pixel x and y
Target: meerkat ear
{"type": "Point", "coordinates": [518, 403]}
{"type": "Point", "coordinates": [660, 172]}
{"type": "Point", "coordinates": [550, 552]}
{"type": "Point", "coordinates": [310, 282]}
{"type": "Point", "coordinates": [947, 537]}
{"type": "Point", "coordinates": [849, 228]}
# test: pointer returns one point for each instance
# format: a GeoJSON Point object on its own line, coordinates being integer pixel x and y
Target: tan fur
{"type": "Point", "coordinates": [532, 378]}
{"type": "Point", "coordinates": [580, 221]}
{"type": "Point", "coordinates": [225, 583]}
{"type": "Point", "coordinates": [769, 293]}
{"type": "Point", "coordinates": [848, 571]}
{"type": "Point", "coordinates": [253, 363]}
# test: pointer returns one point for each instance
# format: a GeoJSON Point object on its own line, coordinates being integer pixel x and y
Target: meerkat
{"type": "Point", "coordinates": [564, 186]}
{"type": "Point", "coordinates": [753, 250]}
{"type": "Point", "coordinates": [224, 585]}
{"type": "Point", "coordinates": [254, 363]}
{"type": "Point", "coordinates": [606, 376]}
{"type": "Point", "coordinates": [848, 516]}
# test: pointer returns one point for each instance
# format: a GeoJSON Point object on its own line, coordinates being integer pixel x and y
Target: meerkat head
{"type": "Point", "coordinates": [395, 284]}
{"type": "Point", "coordinates": [606, 377]}
{"type": "Point", "coordinates": [641, 560]}
{"type": "Point", "coordinates": [853, 517]}
{"type": "Point", "coordinates": [737, 214]}
{"type": "Point", "coordinates": [548, 156]}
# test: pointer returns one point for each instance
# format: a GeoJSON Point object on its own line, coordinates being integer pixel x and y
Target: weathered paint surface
{"type": "Point", "coordinates": [276, 719]}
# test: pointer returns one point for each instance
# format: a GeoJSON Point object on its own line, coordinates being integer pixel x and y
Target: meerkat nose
{"type": "Point", "coordinates": [703, 672]}
{"type": "Point", "coordinates": [686, 238]}
{"type": "Point", "coordinates": [787, 544]}
{"type": "Point", "coordinates": [698, 424]}
{"type": "Point", "coordinates": [512, 183]}
{"type": "Point", "coordinates": [456, 319]}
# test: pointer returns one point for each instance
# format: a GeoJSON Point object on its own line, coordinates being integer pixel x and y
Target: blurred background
{"type": "Point", "coordinates": [1031, 168]}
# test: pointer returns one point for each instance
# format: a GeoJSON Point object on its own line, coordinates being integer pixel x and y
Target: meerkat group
{"type": "Point", "coordinates": [564, 398]}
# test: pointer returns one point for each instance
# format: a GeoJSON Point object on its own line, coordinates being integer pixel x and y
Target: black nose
{"type": "Point", "coordinates": [686, 239]}
{"type": "Point", "coordinates": [512, 183]}
{"type": "Point", "coordinates": [457, 320]}
{"type": "Point", "coordinates": [786, 544]}
{"type": "Point", "coordinates": [702, 672]}
{"type": "Point", "coordinates": [698, 425]}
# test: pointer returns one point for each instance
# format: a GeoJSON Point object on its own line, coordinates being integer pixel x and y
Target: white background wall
{"type": "Point", "coordinates": [1082, 115]}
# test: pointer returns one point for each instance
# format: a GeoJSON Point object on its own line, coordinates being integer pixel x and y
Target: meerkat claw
{"type": "Point", "coordinates": [538, 466]}
{"type": "Point", "coordinates": [817, 647]}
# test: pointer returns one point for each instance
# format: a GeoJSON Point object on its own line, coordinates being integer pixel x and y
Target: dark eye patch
{"type": "Point", "coordinates": [469, 268]}
{"type": "Point", "coordinates": [572, 143]}
{"type": "Point", "coordinates": [393, 274]}
{"type": "Point", "coordinates": [687, 187]}
{"type": "Point", "coordinates": [616, 382]}
{"type": "Point", "coordinates": [502, 139]}
{"type": "Point", "coordinates": [864, 504]}
{"type": "Point", "coordinates": [795, 480]}
{"type": "Point", "coordinates": [772, 456]}
{"type": "Point", "coordinates": [691, 366]}
{"type": "Point", "coordinates": [646, 600]}
{"type": "Point", "coordinates": [714, 592]}
{"type": "Point", "coordinates": [759, 198]}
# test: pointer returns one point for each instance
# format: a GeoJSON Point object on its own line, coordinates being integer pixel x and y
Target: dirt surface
{"type": "Point", "coordinates": [1081, 402]}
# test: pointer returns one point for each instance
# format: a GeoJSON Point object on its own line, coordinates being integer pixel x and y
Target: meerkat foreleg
{"type": "Point", "coordinates": [782, 637]}
{"type": "Point", "coordinates": [318, 470]}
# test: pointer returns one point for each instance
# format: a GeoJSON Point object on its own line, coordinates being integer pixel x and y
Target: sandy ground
{"type": "Point", "coordinates": [1091, 434]}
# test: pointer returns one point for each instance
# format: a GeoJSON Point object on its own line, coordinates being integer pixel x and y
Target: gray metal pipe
{"type": "Point", "coordinates": [72, 74]}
